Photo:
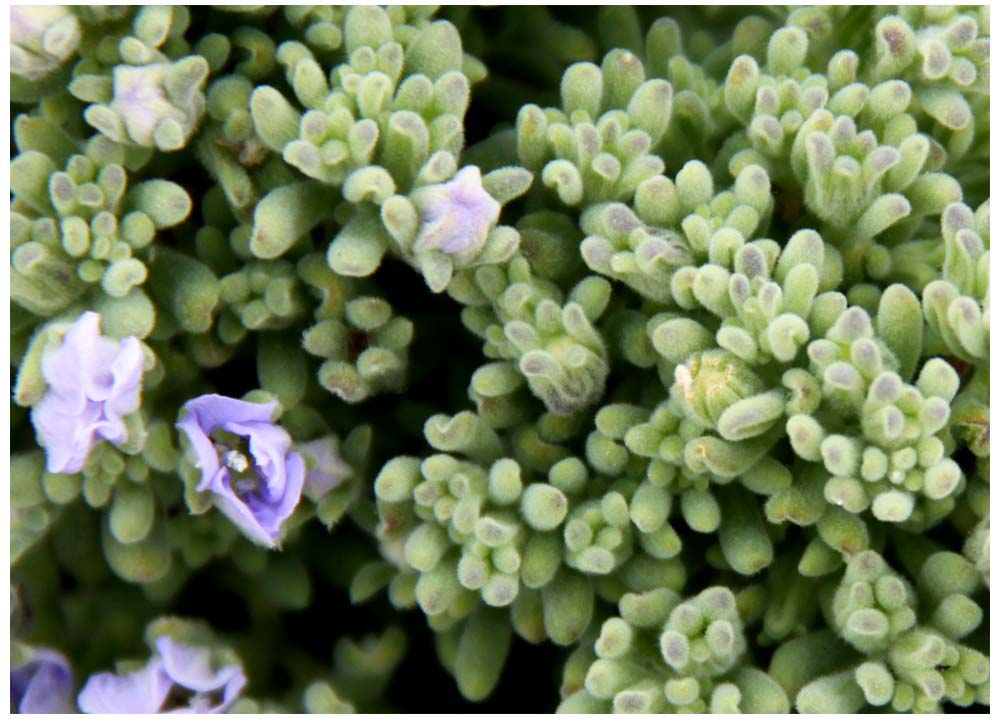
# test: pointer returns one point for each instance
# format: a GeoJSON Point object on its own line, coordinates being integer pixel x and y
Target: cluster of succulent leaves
{"type": "Point", "coordinates": [707, 405]}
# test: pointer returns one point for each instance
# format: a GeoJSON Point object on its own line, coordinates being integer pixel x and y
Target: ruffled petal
{"type": "Point", "coordinates": [126, 370]}
{"type": "Point", "coordinates": [261, 513]}
{"type": "Point", "coordinates": [245, 514]}
{"type": "Point", "coordinates": [140, 692]}
{"type": "Point", "coordinates": [67, 439]}
{"type": "Point", "coordinates": [211, 411]}
{"type": "Point", "coordinates": [191, 667]}
{"type": "Point", "coordinates": [93, 381]}
{"type": "Point", "coordinates": [62, 366]}
{"type": "Point", "coordinates": [329, 469]}
{"type": "Point", "coordinates": [43, 685]}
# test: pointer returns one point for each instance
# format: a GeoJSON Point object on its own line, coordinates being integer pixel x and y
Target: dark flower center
{"type": "Point", "coordinates": [234, 454]}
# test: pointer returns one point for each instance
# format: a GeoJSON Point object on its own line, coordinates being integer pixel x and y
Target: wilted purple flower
{"type": "Point", "coordinates": [42, 685]}
{"type": "Point", "coordinates": [141, 100]}
{"type": "Point", "coordinates": [93, 382]}
{"type": "Point", "coordinates": [457, 216]}
{"type": "Point", "coordinates": [328, 468]}
{"type": "Point", "coordinates": [42, 37]}
{"type": "Point", "coordinates": [179, 679]}
{"type": "Point", "coordinates": [246, 462]}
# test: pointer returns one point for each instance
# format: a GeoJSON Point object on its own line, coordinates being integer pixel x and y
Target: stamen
{"type": "Point", "coordinates": [236, 461]}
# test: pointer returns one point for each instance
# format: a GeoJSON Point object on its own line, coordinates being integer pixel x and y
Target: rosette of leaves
{"type": "Point", "coordinates": [454, 545]}
{"type": "Point", "coordinates": [888, 452]}
{"type": "Point", "coordinates": [670, 226]}
{"type": "Point", "coordinates": [229, 146]}
{"type": "Point", "coordinates": [693, 66]}
{"type": "Point", "coordinates": [78, 229]}
{"type": "Point", "coordinates": [874, 170]}
{"type": "Point", "coordinates": [45, 38]}
{"type": "Point", "coordinates": [761, 303]}
{"type": "Point", "coordinates": [449, 507]}
{"type": "Point", "coordinates": [554, 341]}
{"type": "Point", "coordinates": [943, 53]}
{"type": "Point", "coordinates": [774, 105]}
{"type": "Point", "coordinates": [144, 88]}
{"type": "Point", "coordinates": [773, 93]}
{"type": "Point", "coordinates": [909, 639]}
{"type": "Point", "coordinates": [464, 538]}
{"type": "Point", "coordinates": [348, 112]}
{"type": "Point", "coordinates": [262, 295]}
{"type": "Point", "coordinates": [662, 654]}
{"type": "Point", "coordinates": [600, 146]}
{"type": "Point", "coordinates": [345, 112]}
{"type": "Point", "coordinates": [386, 129]}
{"type": "Point", "coordinates": [957, 306]}
{"type": "Point", "coordinates": [365, 351]}
{"type": "Point", "coordinates": [852, 181]}
{"type": "Point", "coordinates": [680, 469]}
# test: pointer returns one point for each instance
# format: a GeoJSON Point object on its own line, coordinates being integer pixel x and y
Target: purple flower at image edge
{"type": "Point", "coordinates": [257, 488]}
{"type": "Point", "coordinates": [175, 667]}
{"type": "Point", "coordinates": [93, 382]}
{"type": "Point", "coordinates": [42, 685]}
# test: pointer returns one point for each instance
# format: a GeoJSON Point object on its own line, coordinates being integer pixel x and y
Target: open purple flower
{"type": "Point", "coordinates": [94, 381]}
{"type": "Point", "coordinates": [42, 685]}
{"type": "Point", "coordinates": [329, 470]}
{"type": "Point", "coordinates": [457, 216]}
{"type": "Point", "coordinates": [179, 679]}
{"type": "Point", "coordinates": [245, 462]}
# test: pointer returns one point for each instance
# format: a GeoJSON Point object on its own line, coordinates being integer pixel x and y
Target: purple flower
{"type": "Point", "coordinates": [177, 672]}
{"type": "Point", "coordinates": [246, 462]}
{"type": "Point", "coordinates": [42, 685]}
{"type": "Point", "coordinates": [42, 37]}
{"type": "Point", "coordinates": [457, 216]}
{"type": "Point", "coordinates": [141, 100]}
{"type": "Point", "coordinates": [93, 382]}
{"type": "Point", "coordinates": [329, 470]}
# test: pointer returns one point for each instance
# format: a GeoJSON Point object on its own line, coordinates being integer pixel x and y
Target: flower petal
{"type": "Point", "coordinates": [191, 668]}
{"type": "Point", "coordinates": [43, 685]}
{"type": "Point", "coordinates": [140, 692]}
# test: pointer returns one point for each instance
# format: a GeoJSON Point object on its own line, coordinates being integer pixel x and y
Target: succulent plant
{"type": "Point", "coordinates": [654, 339]}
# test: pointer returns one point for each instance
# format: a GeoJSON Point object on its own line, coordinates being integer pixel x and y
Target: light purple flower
{"type": "Point", "coordinates": [246, 462]}
{"type": "Point", "coordinates": [329, 470]}
{"type": "Point", "coordinates": [141, 100]}
{"type": "Point", "coordinates": [457, 216]}
{"type": "Point", "coordinates": [177, 672]}
{"type": "Point", "coordinates": [42, 685]}
{"type": "Point", "coordinates": [94, 381]}
{"type": "Point", "coordinates": [42, 37]}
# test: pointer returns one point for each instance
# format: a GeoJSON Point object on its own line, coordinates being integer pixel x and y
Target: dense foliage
{"type": "Point", "coordinates": [651, 343]}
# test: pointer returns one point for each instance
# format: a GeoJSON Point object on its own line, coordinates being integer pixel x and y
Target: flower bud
{"type": "Point", "coordinates": [158, 105]}
{"type": "Point", "coordinates": [711, 382]}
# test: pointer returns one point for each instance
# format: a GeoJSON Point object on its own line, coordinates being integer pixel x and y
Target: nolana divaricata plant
{"type": "Point", "coordinates": [366, 359]}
